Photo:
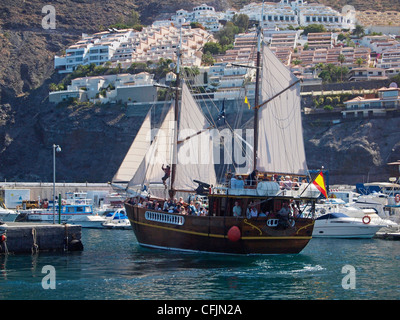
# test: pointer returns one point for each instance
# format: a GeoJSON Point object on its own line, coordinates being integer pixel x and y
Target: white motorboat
{"type": "Point", "coordinates": [340, 225]}
{"type": "Point", "coordinates": [76, 209]}
{"type": "Point", "coordinates": [8, 215]}
{"type": "Point", "coordinates": [117, 220]}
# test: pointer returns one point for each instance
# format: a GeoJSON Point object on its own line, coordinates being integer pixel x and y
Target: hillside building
{"type": "Point", "coordinates": [128, 46]}
{"type": "Point", "coordinates": [109, 88]}
{"type": "Point", "coordinates": [386, 101]}
{"type": "Point", "coordinates": [298, 13]}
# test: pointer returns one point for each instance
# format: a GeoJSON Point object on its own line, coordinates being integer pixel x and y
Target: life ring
{"type": "Point", "coordinates": [366, 219]}
{"type": "Point", "coordinates": [397, 198]}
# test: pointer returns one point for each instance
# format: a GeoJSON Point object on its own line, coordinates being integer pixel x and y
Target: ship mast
{"type": "Point", "coordinates": [256, 98]}
{"type": "Point", "coordinates": [176, 110]}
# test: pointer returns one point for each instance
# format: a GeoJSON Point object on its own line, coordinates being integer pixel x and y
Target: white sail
{"type": "Point", "coordinates": [158, 154]}
{"type": "Point", "coordinates": [136, 152]}
{"type": "Point", "coordinates": [195, 147]}
{"type": "Point", "coordinates": [280, 133]}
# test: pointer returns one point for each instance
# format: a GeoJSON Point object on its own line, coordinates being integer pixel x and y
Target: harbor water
{"type": "Point", "coordinates": [113, 266]}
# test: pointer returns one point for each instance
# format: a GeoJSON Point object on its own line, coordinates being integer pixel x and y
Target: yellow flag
{"type": "Point", "coordinates": [246, 101]}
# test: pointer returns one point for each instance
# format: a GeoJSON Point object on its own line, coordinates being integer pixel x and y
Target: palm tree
{"type": "Point", "coordinates": [360, 61]}
{"type": "Point", "coordinates": [341, 59]}
{"type": "Point", "coordinates": [359, 30]}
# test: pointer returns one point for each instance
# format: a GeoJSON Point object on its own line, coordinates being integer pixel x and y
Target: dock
{"type": "Point", "coordinates": [387, 235]}
{"type": "Point", "coordinates": [30, 237]}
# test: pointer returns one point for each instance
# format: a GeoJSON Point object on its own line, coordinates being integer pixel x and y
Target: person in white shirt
{"type": "Point", "coordinates": [253, 212]}
{"type": "Point", "coordinates": [284, 212]}
{"type": "Point", "coordinates": [237, 210]}
{"type": "Point", "coordinates": [233, 182]}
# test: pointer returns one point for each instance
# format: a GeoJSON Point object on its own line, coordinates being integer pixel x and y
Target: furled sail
{"type": "Point", "coordinates": [195, 147]}
{"type": "Point", "coordinates": [136, 152]}
{"type": "Point", "coordinates": [280, 133]}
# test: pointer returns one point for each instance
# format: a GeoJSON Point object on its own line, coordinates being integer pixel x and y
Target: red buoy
{"type": "Point", "coordinates": [234, 234]}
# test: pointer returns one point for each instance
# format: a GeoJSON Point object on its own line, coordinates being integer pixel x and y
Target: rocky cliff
{"type": "Point", "coordinates": [95, 139]}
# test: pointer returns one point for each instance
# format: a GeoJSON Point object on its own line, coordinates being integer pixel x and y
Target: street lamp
{"type": "Point", "coordinates": [58, 149]}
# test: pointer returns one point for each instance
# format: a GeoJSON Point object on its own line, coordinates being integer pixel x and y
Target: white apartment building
{"type": "Point", "coordinates": [121, 87]}
{"type": "Point", "coordinates": [97, 48]}
{"type": "Point", "coordinates": [284, 38]}
{"type": "Point", "coordinates": [229, 81]}
{"type": "Point", "coordinates": [128, 46]}
{"type": "Point", "coordinates": [310, 58]}
{"type": "Point", "coordinates": [315, 13]}
{"type": "Point", "coordinates": [379, 43]}
{"type": "Point", "coordinates": [298, 13]}
{"type": "Point", "coordinates": [204, 14]}
{"type": "Point", "coordinates": [387, 100]}
{"type": "Point", "coordinates": [389, 59]}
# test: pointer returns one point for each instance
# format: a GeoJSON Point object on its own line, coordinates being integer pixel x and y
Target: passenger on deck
{"type": "Point", "coordinates": [252, 178]}
{"type": "Point", "coordinates": [182, 210]}
{"type": "Point", "coordinates": [203, 211]}
{"type": "Point", "coordinates": [295, 210]}
{"type": "Point", "coordinates": [295, 185]}
{"type": "Point", "coordinates": [233, 182]}
{"type": "Point", "coordinates": [192, 208]}
{"type": "Point", "coordinates": [284, 212]}
{"type": "Point", "coordinates": [239, 183]}
{"type": "Point", "coordinates": [237, 210]}
{"type": "Point", "coordinates": [253, 212]}
{"type": "Point", "coordinates": [197, 208]}
{"type": "Point", "coordinates": [287, 184]}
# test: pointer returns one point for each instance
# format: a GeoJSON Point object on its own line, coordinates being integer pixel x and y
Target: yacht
{"type": "Point", "coordinates": [7, 215]}
{"type": "Point", "coordinates": [340, 225]}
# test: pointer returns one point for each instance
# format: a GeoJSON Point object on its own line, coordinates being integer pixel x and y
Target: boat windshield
{"type": "Point", "coordinates": [334, 215]}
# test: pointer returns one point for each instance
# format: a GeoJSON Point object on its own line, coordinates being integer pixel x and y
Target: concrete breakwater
{"type": "Point", "coordinates": [20, 237]}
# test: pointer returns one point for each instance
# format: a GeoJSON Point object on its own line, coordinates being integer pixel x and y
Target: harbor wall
{"type": "Point", "coordinates": [32, 238]}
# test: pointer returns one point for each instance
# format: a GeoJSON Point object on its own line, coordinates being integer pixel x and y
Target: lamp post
{"type": "Point", "coordinates": [58, 149]}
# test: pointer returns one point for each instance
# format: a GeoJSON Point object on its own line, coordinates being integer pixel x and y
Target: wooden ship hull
{"type": "Point", "coordinates": [218, 234]}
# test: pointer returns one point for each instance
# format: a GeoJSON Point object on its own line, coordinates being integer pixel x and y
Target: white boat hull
{"type": "Point", "coordinates": [125, 225]}
{"type": "Point", "coordinates": [8, 217]}
{"type": "Point", "coordinates": [344, 230]}
{"type": "Point", "coordinates": [84, 220]}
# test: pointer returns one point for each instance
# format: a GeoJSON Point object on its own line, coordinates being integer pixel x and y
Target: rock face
{"type": "Point", "coordinates": [354, 151]}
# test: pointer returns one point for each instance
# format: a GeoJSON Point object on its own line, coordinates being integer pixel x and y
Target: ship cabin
{"type": "Point", "coordinates": [262, 197]}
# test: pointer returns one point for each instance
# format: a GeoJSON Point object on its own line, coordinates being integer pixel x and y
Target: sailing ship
{"type": "Point", "coordinates": [184, 140]}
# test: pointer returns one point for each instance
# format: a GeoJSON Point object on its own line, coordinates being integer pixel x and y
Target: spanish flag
{"type": "Point", "coordinates": [319, 182]}
{"type": "Point", "coordinates": [246, 101]}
